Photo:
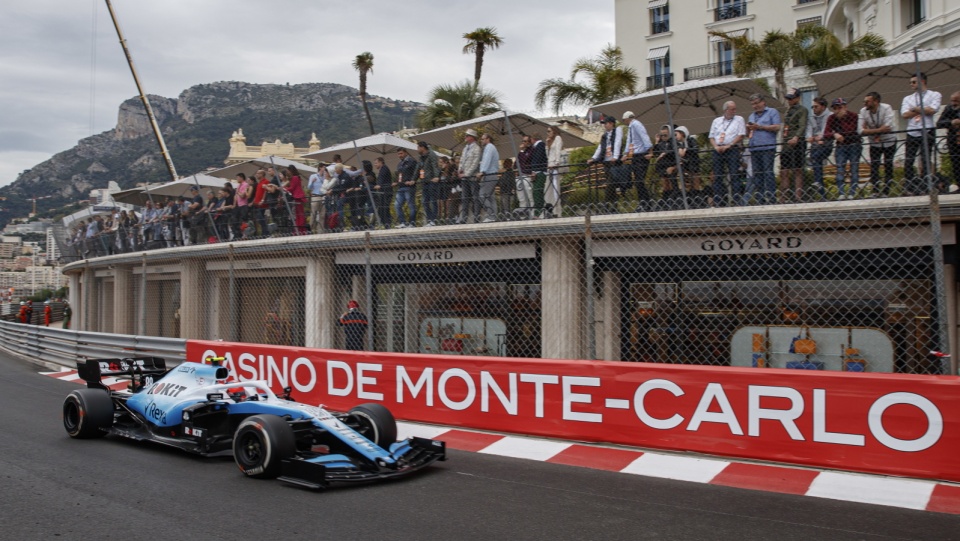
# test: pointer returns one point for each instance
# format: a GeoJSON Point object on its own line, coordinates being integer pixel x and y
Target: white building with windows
{"type": "Point", "coordinates": [668, 41]}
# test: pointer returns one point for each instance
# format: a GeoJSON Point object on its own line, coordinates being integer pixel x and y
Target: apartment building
{"type": "Point", "coordinates": [668, 41]}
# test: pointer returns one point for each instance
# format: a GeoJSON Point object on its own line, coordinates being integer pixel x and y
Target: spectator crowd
{"type": "Point", "coordinates": [734, 164]}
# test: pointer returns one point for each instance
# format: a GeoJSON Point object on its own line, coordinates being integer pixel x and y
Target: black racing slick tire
{"type": "Point", "coordinates": [376, 423]}
{"type": "Point", "coordinates": [261, 443]}
{"type": "Point", "coordinates": [87, 413]}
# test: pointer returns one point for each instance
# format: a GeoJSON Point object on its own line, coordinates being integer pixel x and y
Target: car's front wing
{"type": "Point", "coordinates": [412, 455]}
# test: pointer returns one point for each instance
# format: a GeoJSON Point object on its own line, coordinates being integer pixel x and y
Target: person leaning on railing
{"type": "Point", "coordinates": [726, 137]}
{"type": "Point", "coordinates": [820, 147]}
{"type": "Point", "coordinates": [763, 124]}
{"type": "Point", "coordinates": [608, 153]}
{"type": "Point", "coordinates": [950, 121]}
{"type": "Point", "coordinates": [794, 151]}
{"type": "Point", "coordinates": [506, 188]}
{"type": "Point", "coordinates": [876, 124]}
{"type": "Point", "coordinates": [842, 128]}
{"type": "Point", "coordinates": [920, 126]}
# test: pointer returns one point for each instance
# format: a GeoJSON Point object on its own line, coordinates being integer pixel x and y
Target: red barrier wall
{"type": "Point", "coordinates": [879, 423]}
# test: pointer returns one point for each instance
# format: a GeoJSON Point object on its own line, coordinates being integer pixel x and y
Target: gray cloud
{"type": "Point", "coordinates": [49, 100]}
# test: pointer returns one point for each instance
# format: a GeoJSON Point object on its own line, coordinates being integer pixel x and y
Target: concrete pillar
{"type": "Point", "coordinates": [90, 301]}
{"type": "Point", "coordinates": [191, 297]}
{"type": "Point", "coordinates": [124, 317]}
{"type": "Point", "coordinates": [609, 346]}
{"type": "Point", "coordinates": [73, 297]}
{"type": "Point", "coordinates": [320, 293]}
{"type": "Point", "coordinates": [561, 303]}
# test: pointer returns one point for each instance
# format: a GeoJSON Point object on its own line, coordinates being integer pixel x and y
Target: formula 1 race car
{"type": "Point", "coordinates": [193, 407]}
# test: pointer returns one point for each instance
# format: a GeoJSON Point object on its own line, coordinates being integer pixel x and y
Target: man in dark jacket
{"type": "Point", "coordinates": [950, 121]}
{"type": "Point", "coordinates": [429, 174]}
{"type": "Point", "coordinates": [354, 323]}
{"type": "Point", "coordinates": [383, 191]}
{"type": "Point", "coordinates": [538, 163]}
{"type": "Point", "coordinates": [406, 189]}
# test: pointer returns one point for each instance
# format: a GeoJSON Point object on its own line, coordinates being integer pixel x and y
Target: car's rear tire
{"type": "Point", "coordinates": [260, 443]}
{"type": "Point", "coordinates": [87, 413]}
{"type": "Point", "coordinates": [376, 423]}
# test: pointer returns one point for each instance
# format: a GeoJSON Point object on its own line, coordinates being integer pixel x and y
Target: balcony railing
{"type": "Point", "coordinates": [659, 27]}
{"type": "Point", "coordinates": [921, 20]}
{"type": "Point", "coordinates": [659, 81]}
{"type": "Point", "coordinates": [707, 71]}
{"type": "Point", "coordinates": [730, 11]}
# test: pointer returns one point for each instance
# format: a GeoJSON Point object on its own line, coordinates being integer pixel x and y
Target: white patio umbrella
{"type": "Point", "coordinates": [506, 128]}
{"type": "Point", "coordinates": [890, 76]}
{"type": "Point", "coordinates": [694, 104]}
{"type": "Point", "coordinates": [250, 167]}
{"type": "Point", "coordinates": [381, 145]}
{"type": "Point", "coordinates": [182, 186]}
{"type": "Point", "coordinates": [132, 196]}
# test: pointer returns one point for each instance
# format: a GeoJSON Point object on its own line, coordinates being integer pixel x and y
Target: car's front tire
{"type": "Point", "coordinates": [376, 423]}
{"type": "Point", "coordinates": [260, 444]}
{"type": "Point", "coordinates": [87, 413]}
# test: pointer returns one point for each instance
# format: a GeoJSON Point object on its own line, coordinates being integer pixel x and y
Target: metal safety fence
{"type": "Point", "coordinates": [843, 286]}
{"type": "Point", "coordinates": [62, 347]}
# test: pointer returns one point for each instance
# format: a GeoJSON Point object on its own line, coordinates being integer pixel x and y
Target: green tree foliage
{"type": "Point", "coordinates": [813, 46]}
{"type": "Point", "coordinates": [478, 42]}
{"type": "Point", "coordinates": [607, 78]}
{"type": "Point", "coordinates": [452, 103]}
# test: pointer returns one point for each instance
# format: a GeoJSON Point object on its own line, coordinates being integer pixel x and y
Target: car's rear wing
{"type": "Point", "coordinates": [135, 368]}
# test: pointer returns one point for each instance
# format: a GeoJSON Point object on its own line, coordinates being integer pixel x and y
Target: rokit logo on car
{"type": "Point", "coordinates": [166, 389]}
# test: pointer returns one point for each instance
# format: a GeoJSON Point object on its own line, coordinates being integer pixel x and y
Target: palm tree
{"type": "Point", "coordinates": [607, 79]}
{"type": "Point", "coordinates": [813, 46]}
{"type": "Point", "coordinates": [478, 42]}
{"type": "Point", "coordinates": [364, 64]}
{"type": "Point", "coordinates": [449, 104]}
{"type": "Point", "coordinates": [822, 49]}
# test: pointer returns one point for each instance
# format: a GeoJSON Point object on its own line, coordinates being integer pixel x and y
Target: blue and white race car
{"type": "Point", "coordinates": [193, 407]}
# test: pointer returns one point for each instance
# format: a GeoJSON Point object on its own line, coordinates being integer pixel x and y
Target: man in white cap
{"type": "Point", "coordinates": [470, 178]}
{"type": "Point", "coordinates": [638, 144]}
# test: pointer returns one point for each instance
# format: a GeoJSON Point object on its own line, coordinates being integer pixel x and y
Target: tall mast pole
{"type": "Point", "coordinates": [143, 96]}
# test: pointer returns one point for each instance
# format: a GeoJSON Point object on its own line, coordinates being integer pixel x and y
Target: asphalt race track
{"type": "Point", "coordinates": [53, 487]}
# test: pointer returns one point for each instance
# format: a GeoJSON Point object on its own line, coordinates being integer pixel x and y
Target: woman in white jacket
{"type": "Point", "coordinates": [551, 196]}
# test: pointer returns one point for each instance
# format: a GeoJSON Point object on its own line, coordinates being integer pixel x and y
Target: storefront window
{"type": "Point", "coordinates": [694, 322]}
{"type": "Point", "coordinates": [488, 319]}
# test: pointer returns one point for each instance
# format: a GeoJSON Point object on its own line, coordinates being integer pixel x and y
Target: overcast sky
{"type": "Point", "coordinates": [64, 75]}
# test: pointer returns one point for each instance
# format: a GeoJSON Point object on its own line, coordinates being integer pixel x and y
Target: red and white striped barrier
{"type": "Point", "coordinates": [876, 423]}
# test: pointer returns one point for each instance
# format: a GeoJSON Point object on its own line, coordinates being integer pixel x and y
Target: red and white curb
{"type": "Point", "coordinates": [855, 487]}
{"type": "Point", "coordinates": [835, 485]}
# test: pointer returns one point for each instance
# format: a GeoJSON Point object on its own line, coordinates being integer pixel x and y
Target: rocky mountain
{"type": "Point", "coordinates": [197, 127]}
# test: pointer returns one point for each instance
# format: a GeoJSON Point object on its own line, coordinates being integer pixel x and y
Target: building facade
{"type": "Point", "coordinates": [668, 41]}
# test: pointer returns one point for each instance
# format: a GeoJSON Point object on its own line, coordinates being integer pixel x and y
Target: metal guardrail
{"type": "Point", "coordinates": [64, 347]}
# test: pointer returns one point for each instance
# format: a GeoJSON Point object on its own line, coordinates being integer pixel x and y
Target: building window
{"type": "Point", "coordinates": [809, 21]}
{"type": "Point", "coordinates": [725, 55]}
{"type": "Point", "coordinates": [916, 12]}
{"type": "Point", "coordinates": [660, 75]}
{"type": "Point", "coordinates": [659, 16]}
{"type": "Point", "coordinates": [729, 9]}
